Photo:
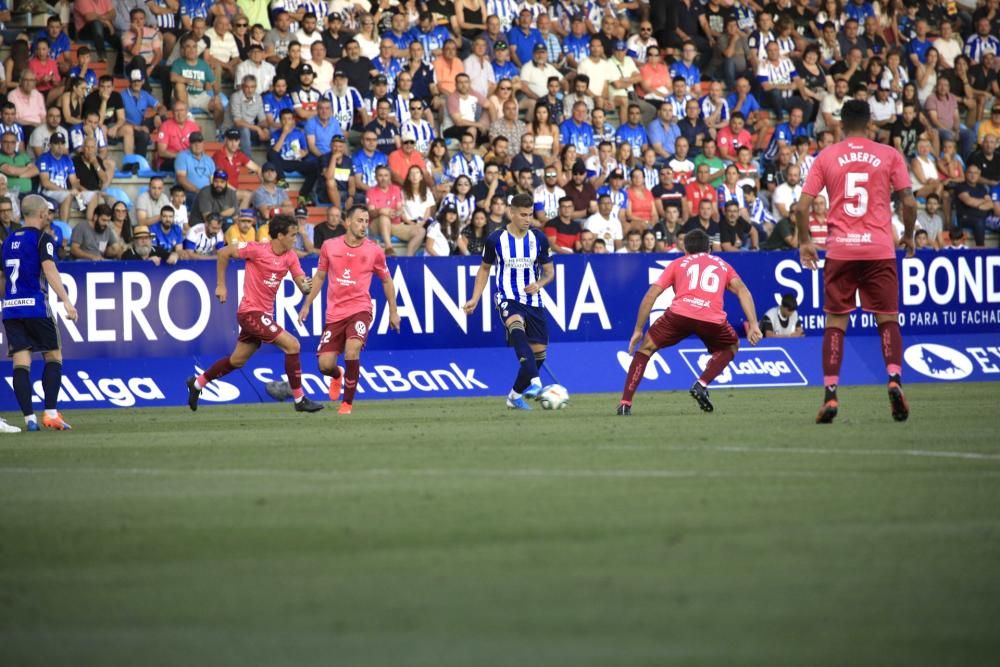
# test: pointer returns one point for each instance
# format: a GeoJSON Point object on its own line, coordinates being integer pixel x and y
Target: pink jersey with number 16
{"type": "Point", "coordinates": [860, 176]}
{"type": "Point", "coordinates": [264, 273]}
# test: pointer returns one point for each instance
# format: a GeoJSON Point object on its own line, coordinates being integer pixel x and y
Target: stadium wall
{"type": "Point", "coordinates": [143, 329]}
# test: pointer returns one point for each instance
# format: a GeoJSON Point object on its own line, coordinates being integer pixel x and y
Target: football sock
{"type": "Point", "coordinates": [51, 379]}
{"type": "Point", "coordinates": [51, 413]}
{"type": "Point", "coordinates": [216, 370]}
{"type": "Point", "coordinates": [22, 389]}
{"type": "Point", "coordinates": [525, 357]}
{"type": "Point", "coordinates": [539, 361]}
{"type": "Point", "coordinates": [293, 369]}
{"type": "Point", "coordinates": [833, 355]}
{"type": "Point", "coordinates": [351, 372]}
{"type": "Point", "coordinates": [335, 373]}
{"type": "Point", "coordinates": [634, 377]}
{"type": "Point", "coordinates": [892, 347]}
{"type": "Point", "coordinates": [720, 359]}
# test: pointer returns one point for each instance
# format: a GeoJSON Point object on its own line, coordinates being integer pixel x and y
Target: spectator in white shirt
{"type": "Point", "coordinates": [223, 55]}
{"type": "Point", "coordinates": [787, 193]}
{"type": "Point", "coordinates": [479, 69]}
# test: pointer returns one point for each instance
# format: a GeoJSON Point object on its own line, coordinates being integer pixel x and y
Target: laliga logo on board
{"type": "Point", "coordinates": [218, 391]}
{"type": "Point", "coordinates": [938, 361]}
{"type": "Point", "coordinates": [760, 367]}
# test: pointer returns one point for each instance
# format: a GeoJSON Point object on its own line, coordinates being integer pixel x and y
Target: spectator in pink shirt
{"type": "Point", "coordinates": [47, 72]}
{"type": "Point", "coordinates": [174, 135]}
{"type": "Point", "coordinates": [733, 136]}
{"type": "Point", "coordinates": [385, 201]}
{"type": "Point", "coordinates": [29, 103]}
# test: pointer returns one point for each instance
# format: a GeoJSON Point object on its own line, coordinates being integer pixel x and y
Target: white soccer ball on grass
{"type": "Point", "coordinates": [554, 397]}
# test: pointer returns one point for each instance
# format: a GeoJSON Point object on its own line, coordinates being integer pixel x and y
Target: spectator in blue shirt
{"type": "Point", "coordinates": [662, 133]}
{"type": "Point", "coordinates": [321, 129]}
{"type": "Point", "coordinates": [687, 66]}
{"type": "Point", "coordinates": [576, 45]}
{"type": "Point", "coordinates": [165, 233]}
{"type": "Point", "coordinates": [430, 35]}
{"type": "Point", "coordinates": [275, 101]}
{"type": "Point", "coordinates": [57, 175]}
{"type": "Point", "coordinates": [918, 46]}
{"type": "Point", "coordinates": [693, 128]}
{"type": "Point", "coordinates": [786, 134]}
{"type": "Point", "coordinates": [60, 47]}
{"type": "Point", "coordinates": [366, 162]}
{"type": "Point", "coordinates": [632, 132]}
{"type": "Point", "coordinates": [523, 38]}
{"type": "Point", "coordinates": [140, 107]}
{"type": "Point", "coordinates": [743, 100]}
{"type": "Point", "coordinates": [576, 131]}
{"type": "Point", "coordinates": [289, 151]}
{"type": "Point", "coordinates": [194, 168]}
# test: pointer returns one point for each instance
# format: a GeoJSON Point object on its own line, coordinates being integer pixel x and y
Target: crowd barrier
{"type": "Point", "coordinates": [143, 329]}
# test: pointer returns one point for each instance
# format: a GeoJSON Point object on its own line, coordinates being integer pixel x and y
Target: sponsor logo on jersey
{"type": "Point", "coordinates": [938, 361]}
{"type": "Point", "coordinates": [758, 367]}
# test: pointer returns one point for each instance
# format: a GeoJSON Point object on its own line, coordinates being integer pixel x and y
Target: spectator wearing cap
{"type": "Point", "coordinates": [94, 175]}
{"type": "Point", "coordinates": [194, 168]}
{"type": "Point", "coordinates": [245, 228]}
{"type": "Point", "coordinates": [337, 168]}
{"type": "Point", "coordinates": [306, 98]}
{"type": "Point", "coordinates": [304, 237]}
{"type": "Point", "coordinates": [174, 136]}
{"type": "Point", "coordinates": [217, 197]}
{"type": "Point", "coordinates": [782, 321]}
{"type": "Point", "coordinates": [622, 86]}
{"type": "Point", "coordinates": [57, 175]}
{"type": "Point", "coordinates": [321, 130]}
{"type": "Point", "coordinates": [139, 108]}
{"type": "Point", "coordinates": [289, 151]}
{"type": "Point", "coordinates": [334, 37]}
{"type": "Point", "coordinates": [232, 160]}
{"type": "Point", "coordinates": [883, 113]}
{"type": "Point", "coordinates": [270, 195]}
{"type": "Point", "coordinates": [194, 81]}
{"type": "Point", "coordinates": [246, 109]}
{"type": "Point", "coordinates": [331, 228]}
{"type": "Point", "coordinates": [143, 249]}
{"type": "Point", "coordinates": [204, 240]}
{"type": "Point", "coordinates": [369, 100]}
{"type": "Point", "coordinates": [255, 64]}
{"type": "Point", "coordinates": [406, 156]}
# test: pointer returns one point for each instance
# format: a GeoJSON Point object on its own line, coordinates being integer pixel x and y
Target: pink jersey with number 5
{"type": "Point", "coordinates": [699, 283]}
{"type": "Point", "coordinates": [264, 273]}
{"type": "Point", "coordinates": [859, 176]}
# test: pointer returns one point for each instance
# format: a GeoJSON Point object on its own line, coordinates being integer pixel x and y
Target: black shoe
{"type": "Point", "coordinates": [897, 402]}
{"type": "Point", "coordinates": [308, 405]}
{"type": "Point", "coordinates": [624, 410]}
{"type": "Point", "coordinates": [700, 394]}
{"type": "Point", "coordinates": [278, 390]}
{"type": "Point", "coordinates": [193, 393]}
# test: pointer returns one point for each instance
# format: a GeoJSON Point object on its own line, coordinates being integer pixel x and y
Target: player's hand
{"type": "Point", "coordinates": [394, 321]}
{"type": "Point", "coordinates": [532, 288]}
{"type": "Point", "coordinates": [306, 286]}
{"type": "Point", "coordinates": [634, 341]}
{"type": "Point", "coordinates": [220, 294]}
{"type": "Point", "coordinates": [754, 334]}
{"type": "Point", "coordinates": [303, 313]}
{"type": "Point", "coordinates": [470, 306]}
{"type": "Point", "coordinates": [807, 256]}
{"type": "Point", "coordinates": [71, 313]}
{"type": "Point", "coordinates": [909, 247]}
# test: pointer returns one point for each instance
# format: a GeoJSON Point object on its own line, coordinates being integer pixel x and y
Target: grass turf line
{"type": "Point", "coordinates": [454, 532]}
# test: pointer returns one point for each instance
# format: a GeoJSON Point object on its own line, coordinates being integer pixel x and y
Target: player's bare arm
{"type": "Point", "coordinates": [739, 288]}
{"type": "Point", "coordinates": [55, 281]}
{"type": "Point", "coordinates": [482, 277]}
{"type": "Point", "coordinates": [548, 275]}
{"type": "Point", "coordinates": [807, 250]}
{"type": "Point", "coordinates": [316, 287]}
{"type": "Point", "coordinates": [909, 213]}
{"type": "Point", "coordinates": [652, 294]}
{"type": "Point", "coordinates": [221, 263]}
{"type": "Point", "coordinates": [390, 298]}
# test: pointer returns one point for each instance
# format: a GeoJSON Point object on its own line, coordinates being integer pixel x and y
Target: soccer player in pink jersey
{"type": "Point", "coordinates": [860, 177]}
{"type": "Point", "coordinates": [267, 263]}
{"type": "Point", "coordinates": [699, 281]}
{"type": "Point", "coordinates": [350, 260]}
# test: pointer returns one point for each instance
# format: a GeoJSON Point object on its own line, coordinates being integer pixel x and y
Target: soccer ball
{"type": "Point", "coordinates": [554, 397]}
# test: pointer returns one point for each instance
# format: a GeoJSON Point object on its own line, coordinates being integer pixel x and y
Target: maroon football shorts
{"type": "Point", "coordinates": [257, 327]}
{"type": "Point", "coordinates": [876, 279]}
{"type": "Point", "coordinates": [672, 328]}
{"type": "Point", "coordinates": [336, 334]}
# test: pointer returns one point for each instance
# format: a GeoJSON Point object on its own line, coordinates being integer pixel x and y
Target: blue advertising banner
{"type": "Point", "coordinates": [133, 310]}
{"type": "Point", "coordinates": [464, 372]}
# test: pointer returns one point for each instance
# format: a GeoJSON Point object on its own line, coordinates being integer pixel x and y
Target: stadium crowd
{"type": "Point", "coordinates": [629, 122]}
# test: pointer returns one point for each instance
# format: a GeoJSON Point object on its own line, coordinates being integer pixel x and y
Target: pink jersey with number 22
{"type": "Point", "coordinates": [860, 176]}
{"type": "Point", "coordinates": [350, 272]}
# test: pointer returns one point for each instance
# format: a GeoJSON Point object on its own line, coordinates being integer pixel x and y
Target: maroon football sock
{"type": "Point", "coordinates": [833, 355]}
{"type": "Point", "coordinates": [634, 376]}
{"type": "Point", "coordinates": [720, 359]}
{"type": "Point", "coordinates": [892, 347]}
{"type": "Point", "coordinates": [351, 373]}
{"type": "Point", "coordinates": [293, 369]}
{"type": "Point", "coordinates": [216, 370]}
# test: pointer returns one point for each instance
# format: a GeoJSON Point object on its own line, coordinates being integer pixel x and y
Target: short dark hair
{"type": "Point", "coordinates": [177, 188]}
{"type": "Point", "coordinates": [854, 116]}
{"type": "Point", "coordinates": [354, 209]}
{"type": "Point", "coordinates": [934, 197]}
{"type": "Point", "coordinates": [696, 241]}
{"type": "Point", "coordinates": [166, 208]}
{"type": "Point", "coordinates": [103, 209]}
{"type": "Point", "coordinates": [522, 200]}
{"type": "Point", "coordinates": [280, 224]}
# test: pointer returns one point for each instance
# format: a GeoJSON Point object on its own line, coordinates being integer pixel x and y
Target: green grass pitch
{"type": "Point", "coordinates": [454, 533]}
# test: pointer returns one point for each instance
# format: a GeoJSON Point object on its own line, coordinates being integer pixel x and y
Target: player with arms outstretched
{"type": "Point", "coordinates": [860, 177]}
{"type": "Point", "coordinates": [267, 262]}
{"type": "Point", "coordinates": [351, 260]}
{"type": "Point", "coordinates": [700, 282]}
{"type": "Point", "coordinates": [518, 251]}
{"type": "Point", "coordinates": [29, 267]}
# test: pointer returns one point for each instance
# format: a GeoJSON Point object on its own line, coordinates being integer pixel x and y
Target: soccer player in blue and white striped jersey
{"type": "Point", "coordinates": [520, 254]}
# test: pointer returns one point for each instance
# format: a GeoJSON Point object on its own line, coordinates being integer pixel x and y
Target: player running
{"type": "Point", "coordinates": [518, 250]}
{"type": "Point", "coordinates": [860, 176]}
{"type": "Point", "coordinates": [699, 281]}
{"type": "Point", "coordinates": [29, 267]}
{"type": "Point", "coordinates": [267, 263]}
{"type": "Point", "coordinates": [351, 260]}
